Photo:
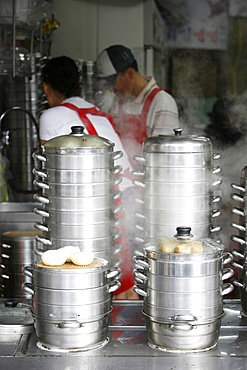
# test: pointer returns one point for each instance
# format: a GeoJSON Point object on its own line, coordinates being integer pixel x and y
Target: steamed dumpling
{"type": "Point", "coordinates": [53, 257]}
{"type": "Point", "coordinates": [82, 258]}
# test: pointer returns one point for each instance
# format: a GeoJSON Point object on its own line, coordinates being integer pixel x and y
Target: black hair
{"type": "Point", "coordinates": [63, 75]}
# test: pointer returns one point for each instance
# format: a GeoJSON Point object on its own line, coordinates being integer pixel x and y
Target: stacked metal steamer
{"type": "Point", "coordinates": [71, 306]}
{"type": "Point", "coordinates": [178, 189]}
{"type": "Point", "coordinates": [240, 224]}
{"type": "Point", "coordinates": [178, 186]}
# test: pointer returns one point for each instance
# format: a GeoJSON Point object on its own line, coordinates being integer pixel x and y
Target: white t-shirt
{"type": "Point", "coordinates": [58, 121]}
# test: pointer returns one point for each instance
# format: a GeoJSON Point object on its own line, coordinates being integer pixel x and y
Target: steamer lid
{"type": "Point", "coordinates": [177, 143]}
{"type": "Point", "coordinates": [79, 141]}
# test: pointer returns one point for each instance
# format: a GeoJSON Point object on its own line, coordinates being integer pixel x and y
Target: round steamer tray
{"type": "Point", "coordinates": [71, 266]}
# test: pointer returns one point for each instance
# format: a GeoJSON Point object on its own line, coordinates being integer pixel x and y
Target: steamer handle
{"type": "Point", "coordinates": [227, 288]}
{"type": "Point", "coordinates": [239, 227]}
{"type": "Point", "coordinates": [117, 195]}
{"type": "Point", "coordinates": [117, 155]}
{"type": "Point", "coordinates": [114, 286]}
{"type": "Point", "coordinates": [138, 173]}
{"type": "Point", "coordinates": [39, 173]}
{"type": "Point", "coordinates": [140, 291]}
{"type": "Point", "coordinates": [113, 272]}
{"type": "Point", "coordinates": [139, 159]}
{"type": "Point", "coordinates": [238, 211]}
{"type": "Point", "coordinates": [216, 169]}
{"type": "Point", "coordinates": [41, 212]}
{"type": "Point", "coordinates": [70, 325]}
{"type": "Point", "coordinates": [237, 265]}
{"type": "Point", "coordinates": [139, 275]}
{"type": "Point", "coordinates": [28, 271]}
{"type": "Point", "coordinates": [44, 240]}
{"type": "Point", "coordinates": [215, 229]}
{"type": "Point", "coordinates": [41, 184]}
{"type": "Point", "coordinates": [238, 284]}
{"type": "Point", "coordinates": [217, 182]}
{"type": "Point", "coordinates": [41, 199]}
{"type": "Point", "coordinates": [238, 187]}
{"type": "Point", "coordinates": [138, 281]}
{"type": "Point", "coordinates": [117, 248]}
{"type": "Point", "coordinates": [41, 227]}
{"type": "Point", "coordinates": [227, 258]}
{"type": "Point", "coordinates": [181, 327]}
{"type": "Point", "coordinates": [141, 261]}
{"type": "Point", "coordinates": [117, 180]}
{"type": "Point", "coordinates": [7, 246]}
{"type": "Point", "coordinates": [183, 318]}
{"type": "Point", "coordinates": [227, 273]}
{"type": "Point", "coordinates": [39, 157]}
{"type": "Point", "coordinates": [216, 156]}
{"type": "Point", "coordinates": [238, 240]}
{"type": "Point", "coordinates": [138, 183]}
{"type": "Point", "coordinates": [28, 288]}
{"type": "Point", "coordinates": [237, 197]}
{"type": "Point", "coordinates": [117, 169]}
{"type": "Point", "coordinates": [238, 254]}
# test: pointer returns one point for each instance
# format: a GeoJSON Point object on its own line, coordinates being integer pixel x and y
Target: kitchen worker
{"type": "Point", "coordinates": [61, 83]}
{"type": "Point", "coordinates": [140, 108]}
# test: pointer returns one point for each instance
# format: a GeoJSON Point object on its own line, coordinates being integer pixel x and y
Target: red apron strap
{"type": "Point", "coordinates": [149, 100]}
{"type": "Point", "coordinates": [82, 112]}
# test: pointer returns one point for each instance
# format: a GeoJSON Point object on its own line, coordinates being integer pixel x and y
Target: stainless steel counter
{"type": "Point", "coordinates": [128, 347]}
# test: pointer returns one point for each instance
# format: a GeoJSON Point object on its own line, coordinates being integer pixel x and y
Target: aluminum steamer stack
{"type": "Point", "coordinates": [178, 183]}
{"type": "Point", "coordinates": [78, 181]}
{"type": "Point", "coordinates": [240, 224]}
{"type": "Point", "coordinates": [182, 282]}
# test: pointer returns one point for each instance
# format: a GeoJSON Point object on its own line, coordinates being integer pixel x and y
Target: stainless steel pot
{"type": "Point", "coordinates": [182, 291]}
